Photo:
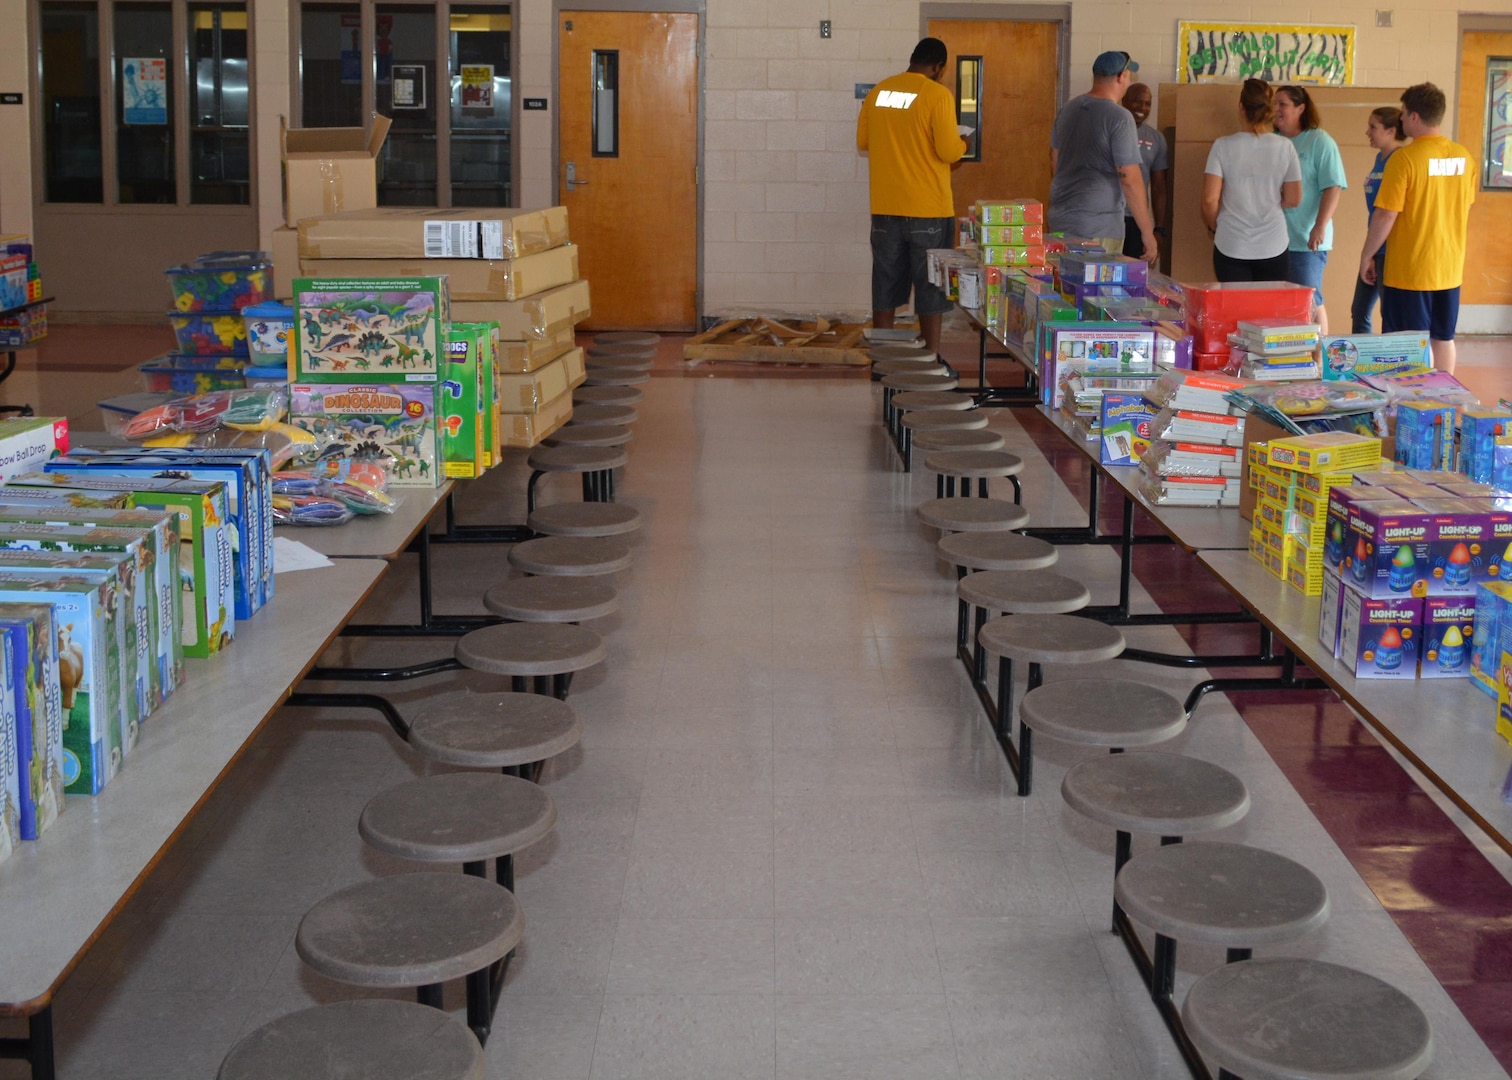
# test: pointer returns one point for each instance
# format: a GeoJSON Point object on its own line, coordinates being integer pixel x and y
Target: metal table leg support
{"type": "Point", "coordinates": [478, 534]}
{"type": "Point", "coordinates": [36, 1048]}
{"type": "Point", "coordinates": [1287, 680]}
{"type": "Point", "coordinates": [430, 624]}
{"type": "Point", "coordinates": [376, 702]}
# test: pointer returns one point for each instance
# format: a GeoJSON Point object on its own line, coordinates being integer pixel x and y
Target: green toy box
{"type": "Point", "coordinates": [378, 330]}
{"type": "Point", "coordinates": [460, 402]}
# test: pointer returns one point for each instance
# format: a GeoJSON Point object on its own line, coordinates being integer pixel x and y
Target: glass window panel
{"type": "Point", "coordinates": [71, 103]}
{"type": "Point", "coordinates": [144, 70]}
{"type": "Point", "coordinates": [1497, 167]}
{"type": "Point", "coordinates": [330, 65]}
{"type": "Point", "coordinates": [220, 166]}
{"type": "Point", "coordinates": [405, 35]}
{"type": "Point", "coordinates": [969, 103]}
{"type": "Point", "coordinates": [606, 103]}
{"type": "Point", "coordinates": [480, 106]}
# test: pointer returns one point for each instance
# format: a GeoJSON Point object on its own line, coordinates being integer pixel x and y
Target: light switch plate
{"type": "Point", "coordinates": [824, 28]}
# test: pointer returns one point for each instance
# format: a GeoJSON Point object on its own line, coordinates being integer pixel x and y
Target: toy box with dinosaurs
{"type": "Point", "coordinates": [397, 421]}
{"type": "Point", "coordinates": [378, 330]}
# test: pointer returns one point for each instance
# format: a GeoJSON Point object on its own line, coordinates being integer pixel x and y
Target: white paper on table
{"type": "Point", "coordinates": [966, 132]}
{"type": "Point", "coordinates": [290, 555]}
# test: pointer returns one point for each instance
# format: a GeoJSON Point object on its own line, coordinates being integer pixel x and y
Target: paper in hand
{"type": "Point", "coordinates": [966, 132]}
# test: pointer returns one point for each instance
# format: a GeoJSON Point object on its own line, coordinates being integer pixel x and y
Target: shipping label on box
{"type": "Point", "coordinates": [1448, 631]}
{"type": "Point", "coordinates": [369, 331]}
{"type": "Point", "coordinates": [1350, 356]}
{"type": "Point", "coordinates": [395, 232]}
{"type": "Point", "coordinates": [398, 419]}
{"type": "Point", "coordinates": [466, 279]}
{"type": "Point", "coordinates": [1378, 637]}
{"type": "Point", "coordinates": [459, 401]}
{"type": "Point", "coordinates": [40, 761]}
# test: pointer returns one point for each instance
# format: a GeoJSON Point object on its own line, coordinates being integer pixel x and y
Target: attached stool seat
{"type": "Point", "coordinates": [900, 352]}
{"type": "Point", "coordinates": [570, 556]}
{"type": "Point", "coordinates": [463, 817]}
{"type": "Point", "coordinates": [1038, 640]}
{"type": "Point", "coordinates": [911, 424]}
{"type": "Point", "coordinates": [626, 337]}
{"type": "Point", "coordinates": [996, 551]}
{"type": "Point", "coordinates": [590, 435]}
{"type": "Point", "coordinates": [1306, 1020]}
{"type": "Point", "coordinates": [493, 731]}
{"type": "Point", "coordinates": [972, 515]}
{"type": "Point", "coordinates": [931, 400]}
{"type": "Point", "coordinates": [376, 1039]}
{"type": "Point", "coordinates": [584, 519]}
{"type": "Point", "coordinates": [613, 376]}
{"type": "Point", "coordinates": [418, 930]}
{"type": "Point", "coordinates": [911, 381]}
{"type": "Point", "coordinates": [552, 598]}
{"type": "Point", "coordinates": [882, 368]}
{"type": "Point", "coordinates": [547, 652]}
{"type": "Point", "coordinates": [1104, 712]}
{"type": "Point", "coordinates": [615, 362]}
{"type": "Point", "coordinates": [1012, 591]}
{"type": "Point", "coordinates": [978, 465]}
{"type": "Point", "coordinates": [607, 395]}
{"type": "Point", "coordinates": [627, 352]}
{"type": "Point", "coordinates": [595, 463]}
{"type": "Point", "coordinates": [594, 415]}
{"type": "Point", "coordinates": [953, 438]}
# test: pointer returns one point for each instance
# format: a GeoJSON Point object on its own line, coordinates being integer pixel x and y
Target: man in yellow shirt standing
{"type": "Point", "coordinates": [1424, 206]}
{"type": "Point", "coordinates": [908, 127]}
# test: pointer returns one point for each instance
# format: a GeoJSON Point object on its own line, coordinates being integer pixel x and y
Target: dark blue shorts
{"type": "Point", "coordinates": [898, 263]}
{"type": "Point", "coordinates": [1410, 309]}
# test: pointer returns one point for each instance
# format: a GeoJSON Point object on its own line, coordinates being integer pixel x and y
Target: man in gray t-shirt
{"type": "Point", "coordinates": [1094, 155]}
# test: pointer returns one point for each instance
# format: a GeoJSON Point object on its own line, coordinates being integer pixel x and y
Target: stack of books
{"type": "Point", "coordinates": [1194, 458]}
{"type": "Point", "coordinates": [1276, 350]}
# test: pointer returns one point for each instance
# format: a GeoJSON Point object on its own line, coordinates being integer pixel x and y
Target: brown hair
{"type": "Point", "coordinates": [1427, 101]}
{"type": "Point", "coordinates": [1257, 102]}
{"type": "Point", "coordinates": [1300, 97]}
{"type": "Point", "coordinates": [1390, 118]}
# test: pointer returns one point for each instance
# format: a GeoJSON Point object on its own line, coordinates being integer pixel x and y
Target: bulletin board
{"type": "Point", "coordinates": [1277, 53]}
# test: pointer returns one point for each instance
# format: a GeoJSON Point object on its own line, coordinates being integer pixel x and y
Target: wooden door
{"type": "Point", "coordinates": [1020, 71]}
{"type": "Point", "coordinates": [1484, 85]}
{"type": "Point", "coordinates": [627, 165]}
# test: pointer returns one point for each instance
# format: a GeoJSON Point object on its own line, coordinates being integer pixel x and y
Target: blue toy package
{"type": "Point", "coordinates": [10, 778]}
{"type": "Point", "coordinates": [33, 648]}
{"type": "Point", "coordinates": [1425, 435]}
{"type": "Point", "coordinates": [1448, 637]}
{"type": "Point", "coordinates": [1480, 427]}
{"type": "Point", "coordinates": [1350, 356]}
{"type": "Point", "coordinates": [1125, 428]}
{"type": "Point", "coordinates": [1493, 601]}
{"type": "Point", "coordinates": [1379, 637]}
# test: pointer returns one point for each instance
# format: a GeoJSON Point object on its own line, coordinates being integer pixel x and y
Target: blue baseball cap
{"type": "Point", "coordinates": [1114, 62]}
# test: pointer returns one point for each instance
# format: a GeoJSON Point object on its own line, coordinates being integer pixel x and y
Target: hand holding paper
{"type": "Point", "coordinates": [966, 132]}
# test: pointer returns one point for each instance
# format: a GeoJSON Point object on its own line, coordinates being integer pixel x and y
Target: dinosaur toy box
{"type": "Point", "coordinates": [33, 648]}
{"type": "Point", "coordinates": [399, 418]}
{"type": "Point", "coordinates": [200, 575]}
{"type": "Point", "coordinates": [379, 330]}
{"type": "Point", "coordinates": [86, 603]}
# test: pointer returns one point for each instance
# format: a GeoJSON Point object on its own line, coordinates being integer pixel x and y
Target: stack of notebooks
{"type": "Point", "coordinates": [1195, 455]}
{"type": "Point", "coordinates": [1276, 350]}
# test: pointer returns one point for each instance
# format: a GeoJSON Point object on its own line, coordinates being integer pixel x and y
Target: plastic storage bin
{"type": "Point", "coordinates": [265, 376]}
{"type": "Point", "coordinates": [222, 280]}
{"type": "Point", "coordinates": [118, 410]}
{"type": "Point", "coordinates": [192, 374]}
{"type": "Point", "coordinates": [268, 328]}
{"type": "Point", "coordinates": [210, 333]}
{"type": "Point", "coordinates": [1214, 309]}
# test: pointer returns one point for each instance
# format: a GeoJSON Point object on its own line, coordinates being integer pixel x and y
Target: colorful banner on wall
{"type": "Point", "coordinates": [144, 90]}
{"type": "Point", "coordinates": [1277, 53]}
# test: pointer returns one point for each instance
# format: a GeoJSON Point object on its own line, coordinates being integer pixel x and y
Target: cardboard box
{"type": "Point", "coordinates": [1425, 435]}
{"type": "Point", "coordinates": [402, 232]}
{"type": "Point", "coordinates": [328, 170]}
{"type": "Point", "coordinates": [527, 429]}
{"type": "Point", "coordinates": [26, 443]}
{"type": "Point", "coordinates": [1330, 612]}
{"type": "Point", "coordinates": [1448, 630]}
{"type": "Point", "coordinates": [1480, 427]}
{"type": "Point", "coordinates": [531, 354]}
{"type": "Point", "coordinates": [1385, 549]}
{"type": "Point", "coordinates": [39, 760]}
{"type": "Point", "coordinates": [379, 330]}
{"type": "Point", "coordinates": [529, 392]}
{"type": "Point", "coordinates": [1379, 636]}
{"type": "Point", "coordinates": [1461, 547]}
{"type": "Point", "coordinates": [535, 318]}
{"type": "Point", "coordinates": [466, 279]}
{"type": "Point", "coordinates": [285, 262]}
{"type": "Point", "coordinates": [577, 368]}
{"type": "Point", "coordinates": [400, 418]}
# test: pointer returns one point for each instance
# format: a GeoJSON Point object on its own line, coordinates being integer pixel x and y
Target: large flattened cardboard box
{"type": "Point", "coordinates": [424, 233]}
{"type": "Point", "coordinates": [532, 391]}
{"type": "Point", "coordinates": [285, 262]}
{"type": "Point", "coordinates": [528, 355]}
{"type": "Point", "coordinates": [535, 318]}
{"type": "Point", "coordinates": [328, 170]}
{"type": "Point", "coordinates": [525, 430]}
{"type": "Point", "coordinates": [466, 279]}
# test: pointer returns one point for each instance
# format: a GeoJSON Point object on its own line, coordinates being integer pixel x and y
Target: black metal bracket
{"type": "Point", "coordinates": [36, 1048]}
{"type": "Point", "coordinates": [353, 701]}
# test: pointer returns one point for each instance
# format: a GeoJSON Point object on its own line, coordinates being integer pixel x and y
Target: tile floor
{"type": "Point", "coordinates": [787, 846]}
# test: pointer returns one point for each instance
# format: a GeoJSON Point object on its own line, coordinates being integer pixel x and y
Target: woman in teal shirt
{"type": "Point", "coordinates": [1310, 224]}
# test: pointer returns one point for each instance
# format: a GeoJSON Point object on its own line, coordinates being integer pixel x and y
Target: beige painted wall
{"type": "Point", "coordinates": [15, 123]}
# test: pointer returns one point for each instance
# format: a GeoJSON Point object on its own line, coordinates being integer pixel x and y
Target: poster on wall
{"type": "Point", "coordinates": [477, 86]}
{"type": "Point", "coordinates": [1277, 53]}
{"type": "Point", "coordinates": [144, 90]}
{"type": "Point", "coordinates": [409, 86]}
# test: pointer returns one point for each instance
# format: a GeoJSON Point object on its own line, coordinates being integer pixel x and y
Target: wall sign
{"type": "Point", "coordinates": [533, 104]}
{"type": "Point", "coordinates": [409, 86]}
{"type": "Point", "coordinates": [477, 86]}
{"type": "Point", "coordinates": [144, 90]}
{"type": "Point", "coordinates": [1277, 53]}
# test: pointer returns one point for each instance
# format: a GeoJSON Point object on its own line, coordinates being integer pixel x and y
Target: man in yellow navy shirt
{"type": "Point", "coordinates": [1424, 206]}
{"type": "Point", "coordinates": [908, 128]}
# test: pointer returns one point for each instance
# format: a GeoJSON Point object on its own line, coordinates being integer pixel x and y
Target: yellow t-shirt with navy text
{"type": "Point", "coordinates": [1430, 183]}
{"type": "Point", "coordinates": [908, 128]}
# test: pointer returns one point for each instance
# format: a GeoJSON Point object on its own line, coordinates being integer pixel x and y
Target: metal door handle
{"type": "Point", "coordinates": [572, 176]}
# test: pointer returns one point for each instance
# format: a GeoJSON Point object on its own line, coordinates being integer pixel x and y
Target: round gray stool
{"type": "Point", "coordinates": [979, 465]}
{"type": "Point", "coordinates": [1082, 711]}
{"type": "Point", "coordinates": [596, 464]}
{"type": "Point", "coordinates": [954, 438]}
{"type": "Point", "coordinates": [547, 652]}
{"type": "Point", "coordinates": [607, 395]}
{"type": "Point", "coordinates": [992, 592]}
{"type": "Point", "coordinates": [1217, 894]}
{"type": "Point", "coordinates": [626, 337]}
{"type": "Point", "coordinates": [910, 381]}
{"type": "Point", "coordinates": [882, 368]}
{"type": "Point", "coordinates": [490, 730]}
{"type": "Point", "coordinates": [1038, 640]}
{"type": "Point", "coordinates": [552, 598]}
{"type": "Point", "coordinates": [1306, 1020]}
{"type": "Point", "coordinates": [612, 364]}
{"type": "Point", "coordinates": [570, 556]}
{"type": "Point", "coordinates": [627, 352]}
{"type": "Point", "coordinates": [417, 930]}
{"type": "Point", "coordinates": [996, 551]}
{"type": "Point", "coordinates": [972, 515]}
{"type": "Point", "coordinates": [615, 377]}
{"type": "Point", "coordinates": [376, 1039]}
{"type": "Point", "coordinates": [900, 352]}
{"type": "Point", "coordinates": [591, 415]}
{"type": "Point", "coordinates": [912, 424]}
{"type": "Point", "coordinates": [583, 519]}
{"type": "Point", "coordinates": [590, 435]}
{"type": "Point", "coordinates": [464, 817]}
{"type": "Point", "coordinates": [928, 400]}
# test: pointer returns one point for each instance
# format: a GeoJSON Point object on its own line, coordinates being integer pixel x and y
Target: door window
{"type": "Point", "coordinates": [969, 103]}
{"type": "Point", "coordinates": [1496, 168]}
{"type": "Point", "coordinates": [72, 143]}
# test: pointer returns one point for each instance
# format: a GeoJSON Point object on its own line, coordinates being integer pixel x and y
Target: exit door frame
{"type": "Point", "coordinates": [1056, 13]}
{"type": "Point", "coordinates": [681, 7]}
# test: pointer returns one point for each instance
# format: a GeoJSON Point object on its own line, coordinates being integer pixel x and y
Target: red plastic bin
{"type": "Point", "coordinates": [1214, 309]}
